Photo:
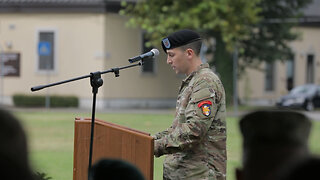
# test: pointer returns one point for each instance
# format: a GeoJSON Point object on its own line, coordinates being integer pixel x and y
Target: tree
{"type": "Point", "coordinates": [228, 17]}
{"type": "Point", "coordinates": [268, 39]}
{"type": "Point", "coordinates": [224, 24]}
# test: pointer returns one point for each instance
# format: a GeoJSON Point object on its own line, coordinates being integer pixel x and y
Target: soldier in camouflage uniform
{"type": "Point", "coordinates": [195, 144]}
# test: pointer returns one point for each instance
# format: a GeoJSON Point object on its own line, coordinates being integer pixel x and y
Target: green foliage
{"type": "Point", "coordinates": [21, 100]}
{"type": "Point", "coordinates": [259, 28]}
{"type": "Point", "coordinates": [230, 17]}
{"type": "Point", "coordinates": [268, 39]}
{"type": "Point", "coordinates": [64, 101]}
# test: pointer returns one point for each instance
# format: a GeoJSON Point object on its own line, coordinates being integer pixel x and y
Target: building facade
{"type": "Point", "coordinates": [272, 80]}
{"type": "Point", "coordinates": [59, 40]}
{"type": "Point", "coordinates": [43, 42]}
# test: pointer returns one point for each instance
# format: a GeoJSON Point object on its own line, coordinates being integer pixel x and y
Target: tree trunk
{"type": "Point", "coordinates": [222, 61]}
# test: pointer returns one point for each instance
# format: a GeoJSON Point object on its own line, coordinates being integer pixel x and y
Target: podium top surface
{"type": "Point", "coordinates": [105, 123]}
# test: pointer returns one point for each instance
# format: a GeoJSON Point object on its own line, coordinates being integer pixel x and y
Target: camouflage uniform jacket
{"type": "Point", "coordinates": [195, 144]}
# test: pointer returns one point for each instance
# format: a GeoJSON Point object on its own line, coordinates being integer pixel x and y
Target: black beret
{"type": "Point", "coordinates": [265, 127]}
{"type": "Point", "coordinates": [179, 38]}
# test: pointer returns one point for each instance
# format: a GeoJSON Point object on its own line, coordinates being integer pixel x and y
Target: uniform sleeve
{"type": "Point", "coordinates": [160, 135]}
{"type": "Point", "coordinates": [199, 114]}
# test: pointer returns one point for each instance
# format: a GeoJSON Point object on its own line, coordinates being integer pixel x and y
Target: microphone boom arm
{"type": "Point", "coordinates": [114, 70]}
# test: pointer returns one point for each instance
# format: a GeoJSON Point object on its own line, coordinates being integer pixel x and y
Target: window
{"type": "Point", "coordinates": [290, 74]}
{"type": "Point", "coordinates": [46, 51]}
{"type": "Point", "coordinates": [310, 69]}
{"type": "Point", "coordinates": [148, 64]}
{"type": "Point", "coordinates": [269, 76]}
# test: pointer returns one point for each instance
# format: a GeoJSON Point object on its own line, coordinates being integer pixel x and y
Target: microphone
{"type": "Point", "coordinates": [153, 52]}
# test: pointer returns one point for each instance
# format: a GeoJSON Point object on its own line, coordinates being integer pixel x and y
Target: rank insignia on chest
{"type": "Point", "coordinates": [205, 107]}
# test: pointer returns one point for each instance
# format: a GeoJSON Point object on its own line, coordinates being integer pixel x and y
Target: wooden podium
{"type": "Point", "coordinates": [111, 141]}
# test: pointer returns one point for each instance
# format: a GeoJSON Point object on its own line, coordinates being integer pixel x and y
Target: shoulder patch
{"type": "Point", "coordinates": [205, 107]}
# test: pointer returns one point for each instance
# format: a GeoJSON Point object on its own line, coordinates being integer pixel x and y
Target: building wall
{"type": "Point", "coordinates": [132, 83]}
{"type": "Point", "coordinates": [133, 87]}
{"type": "Point", "coordinates": [89, 42]}
{"type": "Point", "coordinates": [308, 44]}
{"type": "Point", "coordinates": [252, 82]}
{"type": "Point", "coordinates": [84, 43]}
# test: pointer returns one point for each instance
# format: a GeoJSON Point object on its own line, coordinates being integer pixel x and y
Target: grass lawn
{"type": "Point", "coordinates": [50, 135]}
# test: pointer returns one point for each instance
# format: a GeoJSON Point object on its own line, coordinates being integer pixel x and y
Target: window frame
{"type": "Point", "coordinates": [291, 62]}
{"type": "Point", "coordinates": [310, 75]}
{"type": "Point", "coordinates": [55, 63]}
{"type": "Point", "coordinates": [273, 64]}
{"type": "Point", "coordinates": [144, 49]}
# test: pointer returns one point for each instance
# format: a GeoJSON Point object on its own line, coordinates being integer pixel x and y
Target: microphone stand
{"type": "Point", "coordinates": [95, 82]}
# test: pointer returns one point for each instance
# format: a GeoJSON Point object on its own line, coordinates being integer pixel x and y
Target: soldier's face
{"type": "Point", "coordinates": [177, 59]}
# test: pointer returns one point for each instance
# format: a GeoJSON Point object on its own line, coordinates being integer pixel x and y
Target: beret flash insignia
{"type": "Point", "coordinates": [166, 43]}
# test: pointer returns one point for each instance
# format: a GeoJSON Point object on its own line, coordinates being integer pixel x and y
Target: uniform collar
{"type": "Point", "coordinates": [189, 77]}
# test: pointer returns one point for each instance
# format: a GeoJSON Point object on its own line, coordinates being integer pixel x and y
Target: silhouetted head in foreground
{"type": "Point", "coordinates": [273, 140]}
{"type": "Point", "coordinates": [14, 162]}
{"type": "Point", "coordinates": [307, 169]}
{"type": "Point", "coordinates": [115, 169]}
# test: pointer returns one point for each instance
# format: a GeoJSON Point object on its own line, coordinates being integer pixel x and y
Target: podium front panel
{"type": "Point", "coordinates": [111, 141]}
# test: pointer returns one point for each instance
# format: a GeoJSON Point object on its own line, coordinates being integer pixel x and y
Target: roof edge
{"type": "Point", "coordinates": [95, 7]}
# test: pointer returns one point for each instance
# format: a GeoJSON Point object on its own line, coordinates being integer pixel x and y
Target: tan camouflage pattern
{"type": "Point", "coordinates": [195, 144]}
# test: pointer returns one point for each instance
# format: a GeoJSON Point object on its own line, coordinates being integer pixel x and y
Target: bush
{"type": "Point", "coordinates": [21, 100]}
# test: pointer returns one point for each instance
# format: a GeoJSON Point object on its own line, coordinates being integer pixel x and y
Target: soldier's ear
{"type": "Point", "coordinates": [239, 174]}
{"type": "Point", "coordinates": [190, 52]}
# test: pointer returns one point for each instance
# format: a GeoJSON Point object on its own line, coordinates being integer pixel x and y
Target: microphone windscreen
{"type": "Point", "coordinates": [155, 52]}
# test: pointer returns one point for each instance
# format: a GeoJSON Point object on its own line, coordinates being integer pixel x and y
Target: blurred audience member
{"type": "Point", "coordinates": [14, 162]}
{"type": "Point", "coordinates": [273, 140]}
{"type": "Point", "coordinates": [114, 169]}
{"type": "Point", "coordinates": [307, 169]}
